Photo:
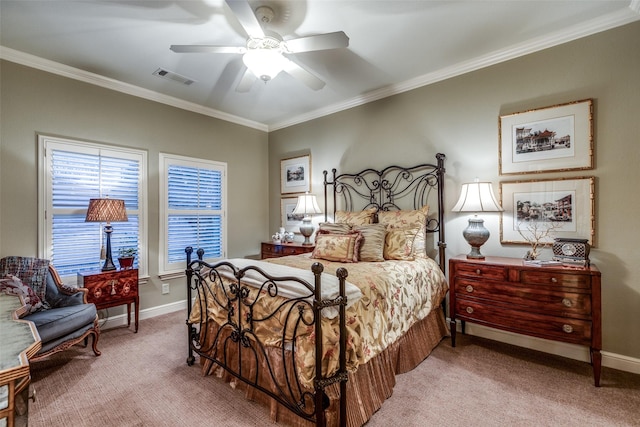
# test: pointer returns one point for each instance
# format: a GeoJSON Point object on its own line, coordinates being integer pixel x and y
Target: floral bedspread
{"type": "Point", "coordinates": [395, 295]}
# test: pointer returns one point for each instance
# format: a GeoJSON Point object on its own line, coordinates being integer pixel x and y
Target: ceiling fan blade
{"type": "Point", "coordinates": [194, 48]}
{"type": "Point", "coordinates": [319, 42]}
{"type": "Point", "coordinates": [303, 75]}
{"type": "Point", "coordinates": [247, 80]}
{"type": "Point", "coordinates": [247, 18]}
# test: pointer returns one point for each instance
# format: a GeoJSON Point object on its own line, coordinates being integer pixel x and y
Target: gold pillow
{"type": "Point", "coordinates": [337, 247]}
{"type": "Point", "coordinates": [404, 219]}
{"type": "Point", "coordinates": [399, 242]}
{"type": "Point", "coordinates": [372, 248]}
{"type": "Point", "coordinates": [356, 218]}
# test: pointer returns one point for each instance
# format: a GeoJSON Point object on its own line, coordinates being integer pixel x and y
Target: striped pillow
{"type": "Point", "coordinates": [372, 249]}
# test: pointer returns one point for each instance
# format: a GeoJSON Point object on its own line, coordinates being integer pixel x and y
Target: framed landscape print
{"type": "Point", "coordinates": [295, 175]}
{"type": "Point", "coordinates": [551, 139]}
{"type": "Point", "coordinates": [290, 221]}
{"type": "Point", "coordinates": [553, 207]}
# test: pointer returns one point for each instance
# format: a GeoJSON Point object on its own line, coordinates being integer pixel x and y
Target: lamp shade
{"type": "Point", "coordinates": [307, 204]}
{"type": "Point", "coordinates": [477, 197]}
{"type": "Point", "coordinates": [106, 210]}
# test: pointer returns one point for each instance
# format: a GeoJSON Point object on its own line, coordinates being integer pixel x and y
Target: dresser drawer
{"type": "Point", "coordinates": [275, 250]}
{"type": "Point", "coordinates": [541, 299]}
{"type": "Point", "coordinates": [569, 330]}
{"type": "Point", "coordinates": [559, 279]}
{"type": "Point", "coordinates": [486, 272]}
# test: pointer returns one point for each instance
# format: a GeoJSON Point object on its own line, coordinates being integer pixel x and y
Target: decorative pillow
{"type": "Point", "coordinates": [399, 242]}
{"type": "Point", "coordinates": [372, 248]}
{"type": "Point", "coordinates": [337, 247]}
{"type": "Point", "coordinates": [356, 218]}
{"type": "Point", "coordinates": [404, 219]}
{"type": "Point", "coordinates": [31, 271]}
{"type": "Point", "coordinates": [330, 227]}
{"type": "Point", "coordinates": [13, 286]}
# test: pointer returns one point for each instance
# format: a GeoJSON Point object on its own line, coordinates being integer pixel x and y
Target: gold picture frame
{"type": "Point", "coordinates": [567, 204]}
{"type": "Point", "coordinates": [551, 139]}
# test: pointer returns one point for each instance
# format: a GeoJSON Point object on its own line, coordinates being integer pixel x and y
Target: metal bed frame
{"type": "Point", "coordinates": [234, 345]}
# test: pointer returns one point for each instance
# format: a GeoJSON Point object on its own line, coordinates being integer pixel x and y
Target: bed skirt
{"type": "Point", "coordinates": [369, 386]}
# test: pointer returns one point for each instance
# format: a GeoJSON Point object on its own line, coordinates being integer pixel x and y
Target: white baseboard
{"type": "Point", "coordinates": [147, 313]}
{"type": "Point", "coordinates": [572, 351]}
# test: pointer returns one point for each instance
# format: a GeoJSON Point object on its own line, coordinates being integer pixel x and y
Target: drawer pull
{"type": "Point", "coordinates": [567, 302]}
{"type": "Point", "coordinates": [567, 328]}
{"type": "Point", "coordinates": [113, 287]}
{"type": "Point", "coordinates": [554, 280]}
{"type": "Point", "coordinates": [478, 272]}
{"type": "Point", "coordinates": [32, 397]}
{"type": "Point", "coordinates": [469, 288]}
{"type": "Point", "coordinates": [469, 310]}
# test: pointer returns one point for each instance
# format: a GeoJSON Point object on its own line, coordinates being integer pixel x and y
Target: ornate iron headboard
{"type": "Point", "coordinates": [393, 188]}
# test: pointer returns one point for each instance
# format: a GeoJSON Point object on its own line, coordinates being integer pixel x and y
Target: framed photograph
{"type": "Point", "coordinates": [295, 175]}
{"type": "Point", "coordinates": [549, 208]}
{"type": "Point", "coordinates": [290, 221]}
{"type": "Point", "coordinates": [551, 139]}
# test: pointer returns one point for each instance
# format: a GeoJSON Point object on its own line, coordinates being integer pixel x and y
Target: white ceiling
{"type": "Point", "coordinates": [395, 45]}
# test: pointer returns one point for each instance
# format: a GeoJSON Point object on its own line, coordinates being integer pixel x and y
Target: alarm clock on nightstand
{"type": "Point", "coordinates": [571, 251]}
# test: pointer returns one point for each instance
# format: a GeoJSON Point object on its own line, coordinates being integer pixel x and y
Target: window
{"type": "Point", "coordinates": [193, 205]}
{"type": "Point", "coordinates": [74, 172]}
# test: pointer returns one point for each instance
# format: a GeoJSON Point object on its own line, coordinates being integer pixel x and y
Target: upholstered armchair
{"type": "Point", "coordinates": [60, 313]}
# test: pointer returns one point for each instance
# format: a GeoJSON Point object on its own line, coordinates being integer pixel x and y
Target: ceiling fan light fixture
{"type": "Point", "coordinates": [264, 63]}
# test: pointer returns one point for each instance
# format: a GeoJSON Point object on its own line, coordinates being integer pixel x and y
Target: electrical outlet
{"type": "Point", "coordinates": [165, 288]}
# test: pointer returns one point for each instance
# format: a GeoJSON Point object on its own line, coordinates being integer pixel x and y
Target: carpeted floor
{"type": "Point", "coordinates": [142, 380]}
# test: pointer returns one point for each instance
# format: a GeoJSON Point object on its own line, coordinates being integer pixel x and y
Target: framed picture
{"type": "Point", "coordinates": [290, 221]}
{"type": "Point", "coordinates": [551, 139]}
{"type": "Point", "coordinates": [295, 175]}
{"type": "Point", "coordinates": [548, 208]}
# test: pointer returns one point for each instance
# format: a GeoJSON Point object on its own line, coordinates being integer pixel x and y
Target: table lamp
{"type": "Point", "coordinates": [107, 210]}
{"type": "Point", "coordinates": [476, 197]}
{"type": "Point", "coordinates": [307, 205]}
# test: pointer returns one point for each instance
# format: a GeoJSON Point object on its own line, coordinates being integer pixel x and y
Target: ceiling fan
{"type": "Point", "coordinates": [266, 54]}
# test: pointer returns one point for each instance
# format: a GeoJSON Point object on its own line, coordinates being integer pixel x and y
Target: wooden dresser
{"type": "Point", "coordinates": [275, 250]}
{"type": "Point", "coordinates": [19, 341]}
{"type": "Point", "coordinates": [113, 288]}
{"type": "Point", "coordinates": [555, 303]}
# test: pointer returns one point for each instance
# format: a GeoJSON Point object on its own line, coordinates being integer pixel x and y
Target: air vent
{"type": "Point", "coordinates": [170, 75]}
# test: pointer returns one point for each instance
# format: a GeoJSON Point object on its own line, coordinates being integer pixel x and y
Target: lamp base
{"type": "Point", "coordinates": [108, 262]}
{"type": "Point", "coordinates": [476, 235]}
{"type": "Point", "coordinates": [306, 229]}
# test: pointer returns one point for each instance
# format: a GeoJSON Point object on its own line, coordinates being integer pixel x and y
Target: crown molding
{"type": "Point", "coordinates": [116, 85]}
{"type": "Point", "coordinates": [597, 25]}
{"type": "Point", "coordinates": [603, 23]}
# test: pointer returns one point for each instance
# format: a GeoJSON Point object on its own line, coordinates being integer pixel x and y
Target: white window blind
{"type": "Point", "coordinates": [193, 202]}
{"type": "Point", "coordinates": [73, 173]}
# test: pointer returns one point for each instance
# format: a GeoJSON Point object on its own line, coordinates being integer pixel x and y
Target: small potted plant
{"type": "Point", "coordinates": [126, 257]}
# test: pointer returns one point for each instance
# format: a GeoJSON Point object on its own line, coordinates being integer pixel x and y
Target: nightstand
{"type": "Point", "coordinates": [275, 250]}
{"type": "Point", "coordinates": [113, 288]}
{"type": "Point", "coordinates": [556, 303]}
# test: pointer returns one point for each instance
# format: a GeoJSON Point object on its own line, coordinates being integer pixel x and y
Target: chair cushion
{"type": "Point", "coordinates": [58, 322]}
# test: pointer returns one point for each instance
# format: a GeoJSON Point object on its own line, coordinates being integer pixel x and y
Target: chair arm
{"type": "Point", "coordinates": [68, 295]}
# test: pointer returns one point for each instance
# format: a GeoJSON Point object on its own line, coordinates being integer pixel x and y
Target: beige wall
{"type": "Point", "coordinates": [459, 117]}
{"type": "Point", "coordinates": [35, 102]}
